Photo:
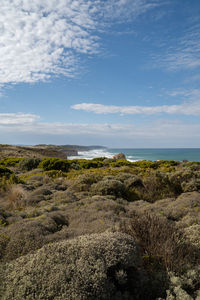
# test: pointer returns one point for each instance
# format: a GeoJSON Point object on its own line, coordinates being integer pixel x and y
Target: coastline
{"type": "Point", "coordinates": [137, 154]}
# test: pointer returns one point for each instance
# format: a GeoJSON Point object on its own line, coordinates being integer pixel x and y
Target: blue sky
{"type": "Point", "coordinates": [119, 73]}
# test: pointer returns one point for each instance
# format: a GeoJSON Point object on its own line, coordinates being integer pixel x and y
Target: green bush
{"type": "Point", "coordinates": [5, 172]}
{"type": "Point", "coordinates": [101, 159]}
{"type": "Point", "coordinates": [48, 164]}
{"type": "Point", "coordinates": [146, 164]}
{"type": "Point", "coordinates": [168, 163]}
{"type": "Point", "coordinates": [120, 163]}
{"type": "Point", "coordinates": [55, 173]}
{"type": "Point", "coordinates": [29, 163]}
{"type": "Point", "coordinates": [10, 161]}
{"type": "Point", "coordinates": [78, 164]}
{"type": "Point", "coordinates": [7, 177]}
{"type": "Point", "coordinates": [88, 164]}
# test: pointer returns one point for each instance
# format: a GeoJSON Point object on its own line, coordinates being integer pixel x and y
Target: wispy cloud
{"type": "Point", "coordinates": [41, 39]}
{"type": "Point", "coordinates": [192, 94]}
{"type": "Point", "coordinates": [17, 118]}
{"type": "Point", "coordinates": [120, 10]}
{"type": "Point", "coordinates": [185, 54]}
{"type": "Point", "coordinates": [160, 130]}
{"type": "Point", "coordinates": [190, 108]}
{"type": "Point", "coordinates": [30, 124]}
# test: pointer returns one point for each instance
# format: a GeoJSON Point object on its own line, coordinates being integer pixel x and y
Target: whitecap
{"type": "Point", "coordinates": [93, 154]}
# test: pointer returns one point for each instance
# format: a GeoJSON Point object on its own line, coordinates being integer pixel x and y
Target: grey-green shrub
{"type": "Point", "coordinates": [185, 287]}
{"type": "Point", "coordinates": [108, 187]}
{"type": "Point", "coordinates": [98, 266]}
{"type": "Point", "coordinates": [27, 236]}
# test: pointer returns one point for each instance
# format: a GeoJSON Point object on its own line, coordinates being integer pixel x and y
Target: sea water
{"type": "Point", "coordinates": [179, 154]}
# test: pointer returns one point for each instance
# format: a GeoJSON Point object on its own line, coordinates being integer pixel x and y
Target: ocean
{"type": "Point", "coordinates": [179, 154]}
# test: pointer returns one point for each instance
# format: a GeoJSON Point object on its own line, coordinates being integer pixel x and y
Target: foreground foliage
{"type": "Point", "coordinates": [49, 204]}
{"type": "Point", "coordinates": [98, 267]}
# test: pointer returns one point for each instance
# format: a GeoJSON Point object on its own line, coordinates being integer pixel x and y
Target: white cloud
{"type": "Point", "coordinates": [17, 119]}
{"type": "Point", "coordinates": [190, 108]}
{"type": "Point", "coordinates": [41, 39]}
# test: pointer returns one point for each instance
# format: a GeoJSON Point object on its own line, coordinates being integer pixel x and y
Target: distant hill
{"type": "Point", "coordinates": [74, 147]}
{"type": "Point", "coordinates": [82, 148]}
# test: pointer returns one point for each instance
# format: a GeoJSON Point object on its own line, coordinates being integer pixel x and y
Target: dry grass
{"type": "Point", "coordinates": [162, 244]}
{"type": "Point", "coordinates": [16, 197]}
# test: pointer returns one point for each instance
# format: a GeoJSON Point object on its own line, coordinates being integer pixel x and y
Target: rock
{"type": "Point", "coordinates": [119, 156]}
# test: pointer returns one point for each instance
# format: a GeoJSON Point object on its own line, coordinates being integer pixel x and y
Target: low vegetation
{"type": "Point", "coordinates": [101, 228]}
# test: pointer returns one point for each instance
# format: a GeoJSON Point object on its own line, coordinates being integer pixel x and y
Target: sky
{"type": "Point", "coordinates": [117, 73]}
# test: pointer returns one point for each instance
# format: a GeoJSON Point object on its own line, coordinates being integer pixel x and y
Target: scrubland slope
{"type": "Point", "coordinates": [99, 229]}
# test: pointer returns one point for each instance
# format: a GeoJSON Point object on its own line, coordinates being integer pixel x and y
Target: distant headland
{"type": "Point", "coordinates": [44, 150]}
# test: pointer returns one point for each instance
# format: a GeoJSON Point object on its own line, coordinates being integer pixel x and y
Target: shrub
{"type": "Point", "coordinates": [48, 164]}
{"type": "Point", "coordinates": [30, 235]}
{"type": "Point", "coordinates": [10, 161]}
{"type": "Point", "coordinates": [5, 172]}
{"type": "Point", "coordinates": [159, 185]}
{"type": "Point", "coordinates": [108, 187]}
{"type": "Point", "coordinates": [78, 164]}
{"type": "Point", "coordinates": [75, 165]}
{"type": "Point", "coordinates": [99, 159]}
{"type": "Point", "coordinates": [89, 178]}
{"type": "Point", "coordinates": [191, 185]}
{"type": "Point", "coordinates": [167, 163]}
{"type": "Point", "coordinates": [108, 161]}
{"type": "Point", "coordinates": [38, 195]}
{"type": "Point", "coordinates": [146, 164]}
{"type": "Point", "coordinates": [88, 164]}
{"type": "Point", "coordinates": [160, 242]}
{"type": "Point", "coordinates": [55, 173]}
{"type": "Point", "coordinates": [83, 182]}
{"type": "Point", "coordinates": [29, 163]}
{"type": "Point", "coordinates": [3, 216]}
{"type": "Point", "coordinates": [98, 266]}
{"type": "Point", "coordinates": [7, 177]}
{"type": "Point", "coordinates": [186, 286]}
{"type": "Point", "coordinates": [120, 163]}
{"type": "Point", "coordinates": [4, 240]}
{"type": "Point", "coordinates": [16, 197]}
{"type": "Point", "coordinates": [135, 189]}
